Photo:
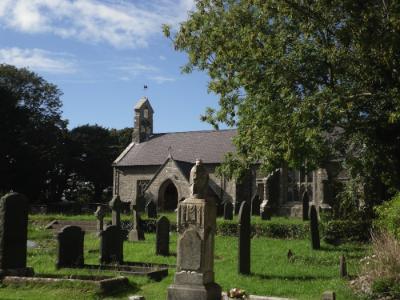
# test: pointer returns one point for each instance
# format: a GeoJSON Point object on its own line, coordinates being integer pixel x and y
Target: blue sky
{"type": "Point", "coordinates": [102, 53]}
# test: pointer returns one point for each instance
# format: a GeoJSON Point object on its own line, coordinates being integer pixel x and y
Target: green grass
{"type": "Point", "coordinates": [311, 272]}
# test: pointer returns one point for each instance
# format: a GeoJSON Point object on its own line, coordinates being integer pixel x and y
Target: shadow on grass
{"type": "Point", "coordinates": [290, 277]}
{"type": "Point", "coordinates": [132, 288]}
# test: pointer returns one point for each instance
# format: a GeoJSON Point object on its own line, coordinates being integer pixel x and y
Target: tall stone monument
{"type": "Point", "coordinates": [13, 235]}
{"type": "Point", "coordinates": [196, 218]}
{"type": "Point", "coordinates": [136, 233]}
{"type": "Point", "coordinates": [115, 205]}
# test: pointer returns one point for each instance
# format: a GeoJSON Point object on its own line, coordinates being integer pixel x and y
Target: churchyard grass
{"type": "Point", "coordinates": [306, 276]}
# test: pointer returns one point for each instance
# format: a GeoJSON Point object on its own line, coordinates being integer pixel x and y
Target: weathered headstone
{"type": "Point", "coordinates": [70, 247]}
{"type": "Point", "coordinates": [162, 236]}
{"type": "Point", "coordinates": [151, 209]}
{"type": "Point", "coordinates": [13, 235]}
{"type": "Point", "coordinates": [136, 233]}
{"type": "Point", "coordinates": [255, 205]}
{"type": "Point", "coordinates": [306, 207]}
{"type": "Point", "coordinates": [99, 214]}
{"type": "Point", "coordinates": [194, 277]}
{"type": "Point", "coordinates": [228, 210]}
{"type": "Point", "coordinates": [111, 245]}
{"type": "Point", "coordinates": [328, 295]}
{"type": "Point", "coordinates": [115, 205]}
{"type": "Point", "coordinates": [244, 229]}
{"type": "Point", "coordinates": [342, 266]}
{"type": "Point", "coordinates": [314, 231]}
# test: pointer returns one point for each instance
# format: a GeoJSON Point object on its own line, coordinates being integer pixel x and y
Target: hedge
{"type": "Point", "coordinates": [265, 229]}
{"type": "Point", "coordinates": [339, 231]}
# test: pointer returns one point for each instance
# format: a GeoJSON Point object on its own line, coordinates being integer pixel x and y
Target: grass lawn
{"type": "Point", "coordinates": [311, 272]}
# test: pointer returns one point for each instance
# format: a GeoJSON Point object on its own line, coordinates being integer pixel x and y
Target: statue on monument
{"type": "Point", "coordinates": [198, 180]}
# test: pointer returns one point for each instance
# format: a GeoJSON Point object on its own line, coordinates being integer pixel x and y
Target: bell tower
{"type": "Point", "coordinates": [143, 121]}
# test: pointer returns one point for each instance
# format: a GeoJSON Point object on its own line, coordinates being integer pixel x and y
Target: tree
{"type": "Point", "coordinates": [302, 81]}
{"type": "Point", "coordinates": [31, 133]}
{"type": "Point", "coordinates": [92, 152]}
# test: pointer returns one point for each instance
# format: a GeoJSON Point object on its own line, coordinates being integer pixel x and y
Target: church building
{"type": "Point", "coordinates": [156, 166]}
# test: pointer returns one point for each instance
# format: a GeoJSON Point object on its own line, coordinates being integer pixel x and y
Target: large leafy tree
{"type": "Point", "coordinates": [302, 80]}
{"type": "Point", "coordinates": [93, 149]}
{"type": "Point", "coordinates": [32, 134]}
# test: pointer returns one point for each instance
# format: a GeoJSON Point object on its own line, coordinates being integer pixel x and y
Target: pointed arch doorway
{"type": "Point", "coordinates": [168, 196]}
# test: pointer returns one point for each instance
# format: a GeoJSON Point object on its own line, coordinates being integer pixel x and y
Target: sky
{"type": "Point", "coordinates": [101, 53]}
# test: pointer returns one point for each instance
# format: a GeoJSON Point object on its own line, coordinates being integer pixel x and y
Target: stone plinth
{"type": "Point", "coordinates": [196, 216]}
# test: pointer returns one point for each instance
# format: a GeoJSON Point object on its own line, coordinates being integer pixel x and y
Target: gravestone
{"type": "Point", "coordinates": [162, 236]}
{"type": "Point", "coordinates": [13, 235]}
{"type": "Point", "coordinates": [136, 233]}
{"type": "Point", "coordinates": [306, 207]}
{"type": "Point", "coordinates": [115, 205]}
{"type": "Point", "coordinates": [151, 209]}
{"type": "Point", "coordinates": [244, 229]}
{"type": "Point", "coordinates": [255, 204]}
{"type": "Point", "coordinates": [99, 214]}
{"type": "Point", "coordinates": [314, 231]}
{"type": "Point", "coordinates": [196, 215]}
{"type": "Point", "coordinates": [228, 210]}
{"type": "Point", "coordinates": [111, 245]}
{"type": "Point", "coordinates": [70, 247]}
{"type": "Point", "coordinates": [342, 266]}
{"type": "Point", "coordinates": [265, 206]}
{"type": "Point", "coordinates": [328, 295]}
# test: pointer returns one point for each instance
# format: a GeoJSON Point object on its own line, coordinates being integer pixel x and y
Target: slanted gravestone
{"type": "Point", "coordinates": [151, 209]}
{"type": "Point", "coordinates": [162, 236]}
{"type": "Point", "coordinates": [13, 235]}
{"type": "Point", "coordinates": [194, 277]}
{"type": "Point", "coordinates": [115, 205]}
{"type": "Point", "coordinates": [70, 247]}
{"type": "Point", "coordinates": [244, 239]}
{"type": "Point", "coordinates": [136, 233]}
{"type": "Point", "coordinates": [111, 245]}
{"type": "Point", "coordinates": [342, 266]}
{"type": "Point", "coordinates": [228, 210]}
{"type": "Point", "coordinates": [99, 214]}
{"type": "Point", "coordinates": [314, 231]}
{"type": "Point", "coordinates": [328, 295]}
{"type": "Point", "coordinates": [306, 207]}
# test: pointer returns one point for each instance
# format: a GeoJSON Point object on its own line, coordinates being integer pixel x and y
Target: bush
{"type": "Point", "coordinates": [339, 231]}
{"type": "Point", "coordinates": [380, 272]}
{"type": "Point", "coordinates": [388, 216]}
{"type": "Point", "coordinates": [267, 229]}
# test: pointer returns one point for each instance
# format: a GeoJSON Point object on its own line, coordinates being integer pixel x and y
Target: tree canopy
{"type": "Point", "coordinates": [31, 131]}
{"type": "Point", "coordinates": [302, 80]}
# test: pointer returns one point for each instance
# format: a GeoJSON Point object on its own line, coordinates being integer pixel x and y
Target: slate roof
{"type": "Point", "coordinates": [210, 146]}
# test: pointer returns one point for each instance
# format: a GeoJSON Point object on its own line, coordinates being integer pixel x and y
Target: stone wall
{"type": "Point", "coordinates": [125, 180]}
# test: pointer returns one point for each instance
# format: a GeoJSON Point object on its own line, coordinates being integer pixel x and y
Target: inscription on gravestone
{"type": "Point", "coordinates": [70, 247]}
{"type": "Point", "coordinates": [190, 244]}
{"type": "Point", "coordinates": [162, 236]}
{"type": "Point", "coordinates": [13, 234]}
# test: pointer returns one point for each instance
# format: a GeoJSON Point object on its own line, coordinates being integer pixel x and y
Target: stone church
{"type": "Point", "coordinates": [156, 166]}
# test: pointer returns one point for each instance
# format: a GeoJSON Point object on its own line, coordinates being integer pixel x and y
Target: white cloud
{"type": "Point", "coordinates": [162, 79]}
{"type": "Point", "coordinates": [162, 57]}
{"type": "Point", "coordinates": [119, 23]}
{"type": "Point", "coordinates": [38, 60]}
